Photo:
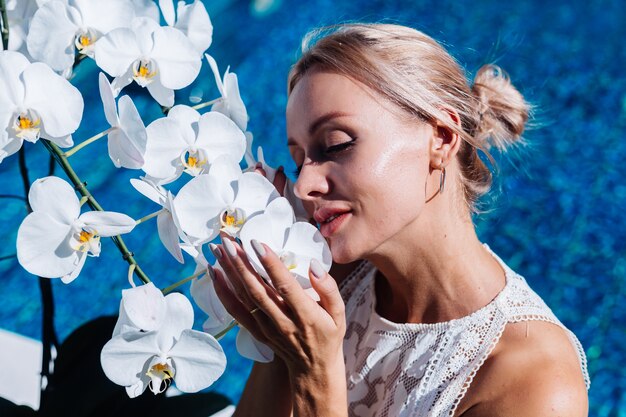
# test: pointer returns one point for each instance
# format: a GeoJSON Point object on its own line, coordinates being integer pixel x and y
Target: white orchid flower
{"type": "Point", "coordinates": [61, 27]}
{"type": "Point", "coordinates": [231, 103]}
{"type": "Point", "coordinates": [127, 137]}
{"type": "Point", "coordinates": [19, 14]}
{"type": "Point", "coordinates": [296, 244]}
{"type": "Point", "coordinates": [35, 102]}
{"type": "Point", "coordinates": [166, 350]}
{"type": "Point", "coordinates": [168, 226]}
{"type": "Point", "coordinates": [185, 141]}
{"type": "Point", "coordinates": [191, 19]}
{"type": "Point", "coordinates": [162, 59]}
{"type": "Point", "coordinates": [55, 239]}
{"type": "Point", "coordinates": [222, 200]}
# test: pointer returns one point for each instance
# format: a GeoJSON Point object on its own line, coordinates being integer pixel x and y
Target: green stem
{"type": "Point", "coordinates": [86, 142]}
{"type": "Point", "coordinates": [206, 104]}
{"type": "Point", "coordinates": [226, 330]}
{"type": "Point", "coordinates": [81, 187]}
{"type": "Point", "coordinates": [151, 215]}
{"type": "Point", "coordinates": [175, 285]}
{"type": "Point", "coordinates": [5, 24]}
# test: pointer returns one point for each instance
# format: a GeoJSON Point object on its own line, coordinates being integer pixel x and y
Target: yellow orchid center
{"type": "Point", "coordinates": [144, 72]}
{"type": "Point", "coordinates": [26, 126]}
{"type": "Point", "coordinates": [194, 162]}
{"type": "Point", "coordinates": [232, 220]}
{"type": "Point", "coordinates": [86, 241]}
{"type": "Point", "coordinates": [161, 376]}
{"type": "Point", "coordinates": [288, 259]}
{"type": "Point", "coordinates": [84, 41]}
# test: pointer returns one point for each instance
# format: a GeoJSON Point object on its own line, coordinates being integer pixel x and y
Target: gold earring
{"type": "Point", "coordinates": [442, 180]}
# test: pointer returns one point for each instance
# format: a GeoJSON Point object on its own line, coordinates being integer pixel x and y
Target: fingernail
{"type": "Point", "coordinates": [258, 248]}
{"type": "Point", "coordinates": [230, 248]}
{"type": "Point", "coordinates": [258, 165]}
{"type": "Point", "coordinates": [317, 269]}
{"type": "Point", "coordinates": [216, 250]}
{"type": "Point", "coordinates": [280, 168]}
{"type": "Point", "coordinates": [211, 272]}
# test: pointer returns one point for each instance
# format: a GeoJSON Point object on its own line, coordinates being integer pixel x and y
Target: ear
{"type": "Point", "coordinates": [445, 142]}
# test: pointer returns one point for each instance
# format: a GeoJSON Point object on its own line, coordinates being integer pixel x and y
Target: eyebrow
{"type": "Point", "coordinates": [319, 122]}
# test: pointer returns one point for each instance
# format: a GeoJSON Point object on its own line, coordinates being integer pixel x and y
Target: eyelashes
{"type": "Point", "coordinates": [331, 151]}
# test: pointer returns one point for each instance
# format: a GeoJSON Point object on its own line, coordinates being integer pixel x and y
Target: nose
{"type": "Point", "coordinates": [312, 182]}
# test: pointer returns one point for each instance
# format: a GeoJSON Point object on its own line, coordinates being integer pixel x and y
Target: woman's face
{"type": "Point", "coordinates": [363, 168]}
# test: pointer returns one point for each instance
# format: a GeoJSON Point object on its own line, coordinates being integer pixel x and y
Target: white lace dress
{"type": "Point", "coordinates": [425, 369]}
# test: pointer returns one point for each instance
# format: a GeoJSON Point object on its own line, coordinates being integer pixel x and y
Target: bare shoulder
{"type": "Point", "coordinates": [533, 371]}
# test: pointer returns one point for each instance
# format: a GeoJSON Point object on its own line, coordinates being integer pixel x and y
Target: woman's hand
{"type": "Point", "coordinates": [306, 334]}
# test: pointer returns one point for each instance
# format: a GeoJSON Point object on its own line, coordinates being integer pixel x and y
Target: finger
{"type": "Point", "coordinates": [285, 284]}
{"type": "Point", "coordinates": [261, 294]}
{"type": "Point", "coordinates": [238, 310]}
{"type": "Point", "coordinates": [233, 276]}
{"type": "Point", "coordinates": [280, 179]}
{"type": "Point", "coordinates": [326, 288]}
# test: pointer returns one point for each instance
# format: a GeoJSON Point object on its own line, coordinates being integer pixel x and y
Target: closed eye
{"type": "Point", "coordinates": [340, 147]}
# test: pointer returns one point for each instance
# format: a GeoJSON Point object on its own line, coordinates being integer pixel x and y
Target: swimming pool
{"type": "Point", "coordinates": [558, 219]}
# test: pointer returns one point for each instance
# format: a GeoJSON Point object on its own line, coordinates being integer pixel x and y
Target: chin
{"type": "Point", "coordinates": [343, 253]}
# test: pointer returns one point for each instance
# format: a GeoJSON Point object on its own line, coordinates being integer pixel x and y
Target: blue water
{"type": "Point", "coordinates": [558, 220]}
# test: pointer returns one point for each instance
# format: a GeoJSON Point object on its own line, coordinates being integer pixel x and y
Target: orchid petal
{"type": "Point", "coordinates": [226, 169]}
{"type": "Point", "coordinates": [304, 239]}
{"type": "Point", "coordinates": [203, 293]}
{"type": "Point", "coordinates": [51, 35]}
{"type": "Point", "coordinates": [128, 145]}
{"type": "Point", "coordinates": [138, 388]}
{"type": "Point", "coordinates": [164, 148]}
{"type": "Point", "coordinates": [250, 348]}
{"type": "Point", "coordinates": [161, 94]}
{"type": "Point", "coordinates": [122, 81]}
{"type": "Point", "coordinates": [12, 64]}
{"type": "Point", "coordinates": [193, 20]}
{"type": "Point", "coordinates": [108, 100]}
{"type": "Point", "coordinates": [179, 317]}
{"type": "Point", "coordinates": [44, 91]}
{"type": "Point", "coordinates": [250, 161]}
{"type": "Point", "coordinates": [144, 29]}
{"type": "Point", "coordinates": [198, 361]}
{"type": "Point", "coordinates": [254, 193]}
{"type": "Point", "coordinates": [10, 147]}
{"type": "Point", "coordinates": [150, 190]}
{"type": "Point", "coordinates": [184, 115]}
{"type": "Point", "coordinates": [221, 136]}
{"type": "Point", "coordinates": [142, 307]}
{"type": "Point", "coordinates": [199, 204]}
{"type": "Point", "coordinates": [168, 233]}
{"type": "Point", "coordinates": [146, 8]}
{"type": "Point", "coordinates": [216, 73]}
{"type": "Point", "coordinates": [71, 276]}
{"type": "Point", "coordinates": [55, 197]}
{"type": "Point", "coordinates": [167, 8]}
{"type": "Point", "coordinates": [178, 61]}
{"type": "Point", "coordinates": [117, 50]}
{"type": "Point", "coordinates": [123, 358]}
{"type": "Point", "coordinates": [43, 248]}
{"type": "Point", "coordinates": [233, 106]}
{"type": "Point", "coordinates": [105, 15]}
{"type": "Point", "coordinates": [108, 223]}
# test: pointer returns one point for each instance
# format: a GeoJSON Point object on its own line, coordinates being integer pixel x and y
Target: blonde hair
{"type": "Point", "coordinates": [416, 73]}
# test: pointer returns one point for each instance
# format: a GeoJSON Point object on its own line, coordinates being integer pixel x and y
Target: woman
{"type": "Point", "coordinates": [386, 133]}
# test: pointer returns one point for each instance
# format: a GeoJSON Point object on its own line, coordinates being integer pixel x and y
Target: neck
{"type": "Point", "coordinates": [435, 271]}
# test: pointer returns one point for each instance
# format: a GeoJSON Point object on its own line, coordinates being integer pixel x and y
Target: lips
{"type": "Point", "coordinates": [330, 219]}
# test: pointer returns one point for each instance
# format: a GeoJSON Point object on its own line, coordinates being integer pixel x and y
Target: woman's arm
{"type": "Point", "coordinates": [267, 392]}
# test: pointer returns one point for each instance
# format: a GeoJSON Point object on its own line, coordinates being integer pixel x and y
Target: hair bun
{"type": "Point", "coordinates": [503, 110]}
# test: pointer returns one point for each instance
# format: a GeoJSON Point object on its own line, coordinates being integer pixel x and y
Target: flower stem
{"type": "Point", "coordinates": [175, 285]}
{"type": "Point", "coordinates": [5, 24]}
{"type": "Point", "coordinates": [206, 104]}
{"type": "Point", "coordinates": [149, 216]}
{"type": "Point", "coordinates": [86, 142]}
{"type": "Point", "coordinates": [226, 330]}
{"type": "Point", "coordinates": [81, 187]}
